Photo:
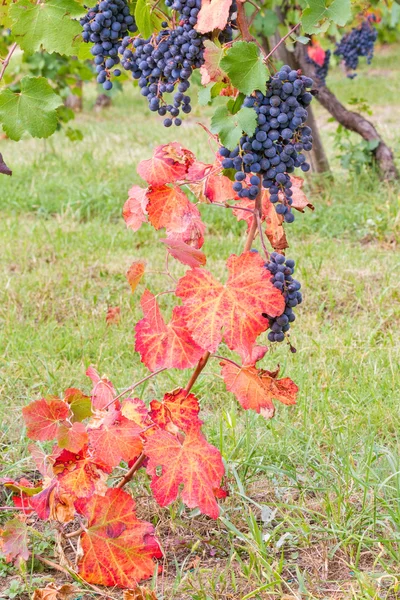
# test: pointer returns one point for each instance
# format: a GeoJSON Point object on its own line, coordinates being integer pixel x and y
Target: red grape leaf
{"type": "Point", "coordinates": [316, 53]}
{"type": "Point", "coordinates": [255, 354]}
{"type": "Point", "coordinates": [209, 185]}
{"type": "Point", "coordinates": [135, 274]}
{"type": "Point", "coordinates": [211, 70]}
{"type": "Point", "coordinates": [43, 416]}
{"type": "Point", "coordinates": [213, 15]}
{"type": "Point", "coordinates": [186, 254]}
{"type": "Point", "coordinates": [41, 502]}
{"type": "Point", "coordinates": [169, 207]}
{"type": "Point", "coordinates": [79, 475]}
{"type": "Point", "coordinates": [103, 391]}
{"type": "Point", "coordinates": [300, 200]}
{"type": "Point", "coordinates": [233, 311]}
{"type": "Point", "coordinates": [178, 410]}
{"type": "Point", "coordinates": [164, 346]}
{"type": "Point", "coordinates": [168, 164]}
{"type": "Point", "coordinates": [135, 410]}
{"type": "Point", "coordinates": [116, 439]}
{"type": "Point", "coordinates": [193, 235]}
{"type": "Point", "coordinates": [118, 549]}
{"type": "Point", "coordinates": [79, 403]}
{"type": "Point", "coordinates": [14, 538]}
{"type": "Point", "coordinates": [195, 464]}
{"type": "Point", "coordinates": [113, 315]}
{"type": "Point", "coordinates": [134, 211]}
{"type": "Point", "coordinates": [44, 462]}
{"type": "Point", "coordinates": [72, 438]}
{"type": "Point", "coordinates": [255, 388]}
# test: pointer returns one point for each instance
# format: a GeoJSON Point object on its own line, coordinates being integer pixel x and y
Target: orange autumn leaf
{"type": "Point", "coordinates": [169, 207]}
{"type": "Point", "coordinates": [178, 410]}
{"type": "Point", "coordinates": [103, 391]}
{"type": "Point", "coordinates": [186, 254]}
{"type": "Point", "coordinates": [79, 475]}
{"type": "Point", "coordinates": [118, 549]}
{"type": "Point", "coordinates": [274, 226]}
{"type": "Point", "coordinates": [194, 464]}
{"type": "Point", "coordinates": [72, 438]}
{"type": "Point", "coordinates": [43, 416]}
{"type": "Point", "coordinates": [164, 346]}
{"type": "Point", "coordinates": [134, 211]}
{"type": "Point", "coordinates": [113, 316]}
{"type": "Point", "coordinates": [116, 439]}
{"type": "Point", "coordinates": [14, 540]}
{"type": "Point", "coordinates": [316, 53]}
{"type": "Point", "coordinates": [233, 312]}
{"type": "Point", "coordinates": [168, 164]}
{"type": "Point", "coordinates": [135, 274]}
{"type": "Point", "coordinates": [135, 410]}
{"type": "Point", "coordinates": [300, 200]}
{"type": "Point", "coordinates": [255, 388]}
{"type": "Point", "coordinates": [208, 184]}
{"type": "Point", "coordinates": [213, 15]}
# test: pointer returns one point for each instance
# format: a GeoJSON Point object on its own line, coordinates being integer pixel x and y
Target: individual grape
{"type": "Point", "coordinates": [358, 42]}
{"type": "Point", "coordinates": [275, 149]}
{"type": "Point", "coordinates": [281, 270]}
{"type": "Point", "coordinates": [106, 24]}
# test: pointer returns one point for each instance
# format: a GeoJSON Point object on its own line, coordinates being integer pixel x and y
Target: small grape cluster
{"type": "Point", "coordinates": [282, 269]}
{"type": "Point", "coordinates": [275, 149]}
{"type": "Point", "coordinates": [106, 24]}
{"type": "Point", "coordinates": [321, 71]}
{"type": "Point", "coordinates": [165, 62]}
{"type": "Point", "coordinates": [358, 42]}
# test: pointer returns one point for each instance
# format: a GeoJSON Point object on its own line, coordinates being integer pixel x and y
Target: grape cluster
{"type": "Point", "coordinates": [358, 42]}
{"type": "Point", "coordinates": [106, 24]}
{"type": "Point", "coordinates": [321, 71]}
{"type": "Point", "coordinates": [166, 61]}
{"type": "Point", "coordinates": [275, 149]}
{"type": "Point", "coordinates": [282, 269]}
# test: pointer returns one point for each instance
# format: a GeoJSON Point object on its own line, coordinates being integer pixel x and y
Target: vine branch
{"type": "Point", "coordinates": [7, 59]}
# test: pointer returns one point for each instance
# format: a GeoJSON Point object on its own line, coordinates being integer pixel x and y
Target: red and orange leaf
{"type": "Point", "coordinates": [316, 53]}
{"type": "Point", "coordinates": [103, 391]}
{"type": "Point", "coordinates": [195, 464]}
{"type": "Point", "coordinates": [274, 225]}
{"type": "Point", "coordinates": [213, 15]}
{"type": "Point", "coordinates": [209, 185]}
{"type": "Point", "coordinates": [164, 346]}
{"type": "Point", "coordinates": [168, 164]}
{"type": "Point", "coordinates": [213, 311]}
{"type": "Point", "coordinates": [135, 274]}
{"type": "Point", "coordinates": [255, 354]}
{"type": "Point", "coordinates": [256, 388]}
{"type": "Point", "coordinates": [135, 410]}
{"type": "Point", "coordinates": [193, 234]}
{"type": "Point", "coordinates": [44, 462]}
{"type": "Point", "coordinates": [178, 410]}
{"type": "Point", "coordinates": [79, 403]}
{"type": "Point", "coordinates": [41, 502]}
{"type": "Point", "coordinates": [300, 200]}
{"type": "Point", "coordinates": [113, 315]}
{"type": "Point", "coordinates": [79, 475]}
{"type": "Point", "coordinates": [43, 416]}
{"type": "Point", "coordinates": [134, 211]}
{"type": "Point", "coordinates": [169, 207]}
{"type": "Point", "coordinates": [118, 549]}
{"type": "Point", "coordinates": [14, 538]}
{"type": "Point", "coordinates": [210, 70]}
{"type": "Point", "coordinates": [186, 254]}
{"type": "Point", "coordinates": [72, 438]}
{"type": "Point", "coordinates": [61, 506]}
{"type": "Point", "coordinates": [116, 439]}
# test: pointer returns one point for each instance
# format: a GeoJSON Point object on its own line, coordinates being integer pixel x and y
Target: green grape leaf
{"type": "Point", "coordinates": [146, 19]}
{"type": "Point", "coordinates": [245, 67]}
{"type": "Point", "coordinates": [48, 26]}
{"type": "Point", "coordinates": [230, 127]}
{"type": "Point", "coordinates": [33, 110]}
{"type": "Point", "coordinates": [266, 22]}
{"type": "Point", "coordinates": [318, 14]}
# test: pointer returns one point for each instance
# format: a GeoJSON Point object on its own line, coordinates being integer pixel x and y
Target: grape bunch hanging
{"type": "Point", "coordinates": [358, 42]}
{"type": "Point", "coordinates": [276, 148]}
{"type": "Point", "coordinates": [281, 270]}
{"type": "Point", "coordinates": [106, 24]}
{"type": "Point", "coordinates": [321, 70]}
{"type": "Point", "coordinates": [163, 63]}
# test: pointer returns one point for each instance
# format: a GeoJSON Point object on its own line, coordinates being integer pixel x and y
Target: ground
{"type": "Point", "coordinates": [314, 504]}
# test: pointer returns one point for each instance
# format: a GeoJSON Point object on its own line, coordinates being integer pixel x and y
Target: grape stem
{"type": "Point", "coordinates": [132, 387]}
{"type": "Point", "coordinates": [7, 59]}
{"type": "Point", "coordinates": [281, 41]}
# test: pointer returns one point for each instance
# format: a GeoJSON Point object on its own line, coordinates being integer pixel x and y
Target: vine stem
{"type": "Point", "coordinates": [135, 467]}
{"type": "Point", "coordinates": [132, 387]}
{"type": "Point", "coordinates": [7, 59]}
{"type": "Point", "coordinates": [281, 41]}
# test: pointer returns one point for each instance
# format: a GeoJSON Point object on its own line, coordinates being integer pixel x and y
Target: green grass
{"type": "Point", "coordinates": [314, 505]}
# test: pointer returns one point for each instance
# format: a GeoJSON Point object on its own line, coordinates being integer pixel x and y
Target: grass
{"type": "Point", "coordinates": [314, 505]}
